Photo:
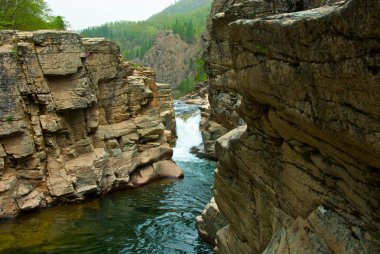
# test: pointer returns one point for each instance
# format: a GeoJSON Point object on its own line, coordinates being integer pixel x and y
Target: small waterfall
{"type": "Point", "coordinates": [157, 218]}
{"type": "Point", "coordinates": [188, 118]}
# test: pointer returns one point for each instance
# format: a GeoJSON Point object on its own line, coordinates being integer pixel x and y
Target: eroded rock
{"type": "Point", "coordinates": [304, 176]}
{"type": "Point", "coordinates": [75, 120]}
{"type": "Point", "coordinates": [210, 222]}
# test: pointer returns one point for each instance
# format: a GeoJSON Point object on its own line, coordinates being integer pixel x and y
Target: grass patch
{"type": "Point", "coordinates": [14, 52]}
{"type": "Point", "coordinates": [9, 118]}
{"type": "Point", "coordinates": [262, 50]}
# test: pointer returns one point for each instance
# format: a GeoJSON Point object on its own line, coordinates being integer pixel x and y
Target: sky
{"type": "Point", "coordinates": [85, 13]}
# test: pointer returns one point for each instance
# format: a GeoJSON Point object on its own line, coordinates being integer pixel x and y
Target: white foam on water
{"type": "Point", "coordinates": [188, 135]}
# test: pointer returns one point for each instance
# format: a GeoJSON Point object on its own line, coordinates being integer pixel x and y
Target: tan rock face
{"type": "Point", "coordinates": [304, 176]}
{"type": "Point", "coordinates": [170, 57]}
{"type": "Point", "coordinates": [166, 109]}
{"type": "Point", "coordinates": [210, 222]}
{"type": "Point", "coordinates": [161, 169]}
{"type": "Point", "coordinates": [223, 96]}
{"type": "Point", "coordinates": [74, 119]}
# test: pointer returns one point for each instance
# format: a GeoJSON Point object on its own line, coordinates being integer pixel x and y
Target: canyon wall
{"type": "Point", "coordinates": [75, 120]}
{"type": "Point", "coordinates": [172, 58]}
{"type": "Point", "coordinates": [223, 96]}
{"type": "Point", "coordinates": [304, 175]}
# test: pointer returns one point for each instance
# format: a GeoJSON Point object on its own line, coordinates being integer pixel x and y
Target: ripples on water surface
{"type": "Point", "coordinates": [157, 218]}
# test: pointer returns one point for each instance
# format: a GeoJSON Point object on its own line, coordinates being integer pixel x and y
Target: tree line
{"type": "Point", "coordinates": [28, 15]}
{"type": "Point", "coordinates": [187, 18]}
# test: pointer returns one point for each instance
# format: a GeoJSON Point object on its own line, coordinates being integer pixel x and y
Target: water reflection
{"type": "Point", "coordinates": [158, 218]}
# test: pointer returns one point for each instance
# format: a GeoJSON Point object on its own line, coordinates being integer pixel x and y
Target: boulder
{"type": "Point", "coordinates": [210, 222]}
{"type": "Point", "coordinates": [160, 170]}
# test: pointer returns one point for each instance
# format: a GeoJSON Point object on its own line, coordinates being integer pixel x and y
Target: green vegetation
{"type": "Point", "coordinates": [187, 18]}
{"type": "Point", "coordinates": [28, 15]}
{"type": "Point", "coordinates": [199, 71]}
{"type": "Point", "coordinates": [14, 52]}
{"type": "Point", "coordinates": [9, 118]}
{"type": "Point", "coordinates": [262, 50]}
{"type": "Point", "coordinates": [188, 85]}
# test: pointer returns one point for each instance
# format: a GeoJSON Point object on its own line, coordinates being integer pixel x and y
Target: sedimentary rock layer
{"type": "Point", "coordinates": [172, 58]}
{"type": "Point", "coordinates": [304, 177]}
{"type": "Point", "coordinates": [75, 120]}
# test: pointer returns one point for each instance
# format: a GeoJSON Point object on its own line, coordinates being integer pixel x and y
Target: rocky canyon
{"type": "Point", "coordinates": [290, 111]}
{"type": "Point", "coordinates": [302, 175]}
{"type": "Point", "coordinates": [77, 121]}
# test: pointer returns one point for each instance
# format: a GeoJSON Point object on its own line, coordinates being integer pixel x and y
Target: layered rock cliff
{"type": "Point", "coordinates": [223, 96]}
{"type": "Point", "coordinates": [172, 58]}
{"type": "Point", "coordinates": [75, 120]}
{"type": "Point", "coordinates": [304, 175]}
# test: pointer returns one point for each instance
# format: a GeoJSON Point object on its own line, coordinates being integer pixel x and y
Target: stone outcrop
{"type": "Point", "coordinates": [304, 176]}
{"type": "Point", "coordinates": [223, 96]}
{"type": "Point", "coordinates": [166, 109]}
{"type": "Point", "coordinates": [210, 222]}
{"type": "Point", "coordinates": [75, 120]}
{"type": "Point", "coordinates": [167, 57]}
{"type": "Point", "coordinates": [171, 57]}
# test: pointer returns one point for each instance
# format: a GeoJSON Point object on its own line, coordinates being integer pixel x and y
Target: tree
{"type": "Point", "coordinates": [58, 22]}
{"type": "Point", "coordinates": [199, 71]}
{"type": "Point", "coordinates": [28, 15]}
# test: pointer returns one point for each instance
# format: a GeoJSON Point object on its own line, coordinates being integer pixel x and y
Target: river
{"type": "Point", "coordinates": [156, 218]}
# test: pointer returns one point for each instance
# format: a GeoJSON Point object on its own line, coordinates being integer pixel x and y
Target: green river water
{"type": "Point", "coordinates": [156, 218]}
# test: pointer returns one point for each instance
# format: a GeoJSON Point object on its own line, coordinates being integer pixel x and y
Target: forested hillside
{"type": "Point", "coordinates": [187, 18]}
{"type": "Point", "coordinates": [28, 15]}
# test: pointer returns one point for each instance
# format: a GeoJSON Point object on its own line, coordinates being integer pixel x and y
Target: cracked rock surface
{"type": "Point", "coordinates": [75, 120]}
{"type": "Point", "coordinates": [304, 176]}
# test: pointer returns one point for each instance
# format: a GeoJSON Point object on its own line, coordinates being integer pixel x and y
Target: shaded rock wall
{"type": "Point", "coordinates": [75, 120]}
{"type": "Point", "coordinates": [223, 96]}
{"type": "Point", "coordinates": [210, 222]}
{"type": "Point", "coordinates": [304, 177]}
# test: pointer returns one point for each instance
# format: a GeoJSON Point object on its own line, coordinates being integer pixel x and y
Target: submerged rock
{"type": "Point", "coordinates": [75, 120]}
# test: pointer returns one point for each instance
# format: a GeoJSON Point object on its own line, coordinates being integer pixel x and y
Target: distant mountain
{"type": "Point", "coordinates": [184, 6]}
{"type": "Point", "coordinates": [187, 18]}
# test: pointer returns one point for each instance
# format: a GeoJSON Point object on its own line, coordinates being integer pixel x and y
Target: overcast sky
{"type": "Point", "coordinates": [84, 13]}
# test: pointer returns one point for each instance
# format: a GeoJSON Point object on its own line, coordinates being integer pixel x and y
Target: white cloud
{"type": "Point", "coordinates": [85, 13]}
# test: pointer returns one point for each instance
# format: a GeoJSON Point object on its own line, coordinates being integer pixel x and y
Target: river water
{"type": "Point", "coordinates": [157, 218]}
